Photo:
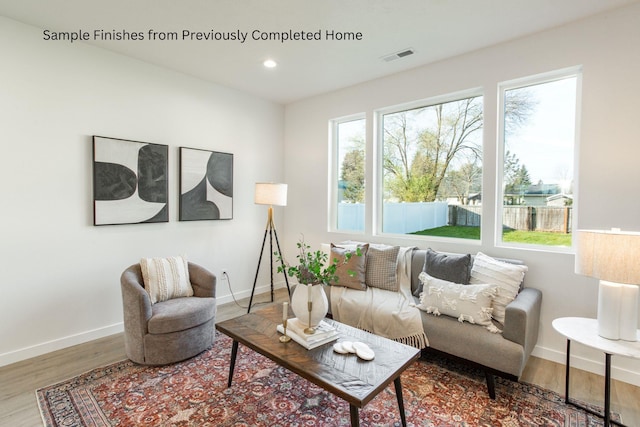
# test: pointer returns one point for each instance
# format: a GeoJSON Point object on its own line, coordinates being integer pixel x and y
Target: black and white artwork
{"type": "Point", "coordinates": [130, 182]}
{"type": "Point", "coordinates": [206, 185]}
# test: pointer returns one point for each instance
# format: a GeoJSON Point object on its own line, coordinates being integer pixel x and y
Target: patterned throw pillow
{"type": "Point", "coordinates": [356, 265]}
{"type": "Point", "coordinates": [467, 303]}
{"type": "Point", "coordinates": [381, 267]}
{"type": "Point", "coordinates": [166, 278]}
{"type": "Point", "coordinates": [508, 278]}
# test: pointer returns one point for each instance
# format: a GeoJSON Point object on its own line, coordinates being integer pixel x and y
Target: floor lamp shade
{"type": "Point", "coordinates": [268, 193]}
{"type": "Point", "coordinates": [613, 257]}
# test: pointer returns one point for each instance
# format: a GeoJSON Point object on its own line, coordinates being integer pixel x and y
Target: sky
{"type": "Point", "coordinates": [545, 145]}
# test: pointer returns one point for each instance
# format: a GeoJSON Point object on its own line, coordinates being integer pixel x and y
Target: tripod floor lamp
{"type": "Point", "coordinates": [272, 195]}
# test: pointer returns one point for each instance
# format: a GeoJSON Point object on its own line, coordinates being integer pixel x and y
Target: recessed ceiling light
{"type": "Point", "coordinates": [270, 63]}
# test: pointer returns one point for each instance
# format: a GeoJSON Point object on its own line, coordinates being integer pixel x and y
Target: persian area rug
{"type": "Point", "coordinates": [194, 393]}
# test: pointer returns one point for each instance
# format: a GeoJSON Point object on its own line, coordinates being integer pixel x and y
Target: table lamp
{"type": "Point", "coordinates": [612, 256]}
{"type": "Point", "coordinates": [268, 193]}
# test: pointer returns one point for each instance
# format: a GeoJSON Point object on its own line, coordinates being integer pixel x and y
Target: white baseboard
{"type": "Point", "coordinates": [260, 289]}
{"type": "Point", "coordinates": [83, 337]}
{"type": "Point", "coordinates": [589, 365]}
{"type": "Point", "coordinates": [59, 344]}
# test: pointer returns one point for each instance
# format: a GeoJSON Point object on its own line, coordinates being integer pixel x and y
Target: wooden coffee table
{"type": "Point", "coordinates": [345, 376]}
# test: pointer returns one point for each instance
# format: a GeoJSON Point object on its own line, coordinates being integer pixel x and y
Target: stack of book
{"type": "Point", "coordinates": [295, 329]}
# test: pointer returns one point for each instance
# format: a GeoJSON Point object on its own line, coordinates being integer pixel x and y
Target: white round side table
{"type": "Point", "coordinates": [585, 331]}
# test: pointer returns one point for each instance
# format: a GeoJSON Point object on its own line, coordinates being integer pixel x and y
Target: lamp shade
{"type": "Point", "coordinates": [611, 255]}
{"type": "Point", "coordinates": [268, 193]}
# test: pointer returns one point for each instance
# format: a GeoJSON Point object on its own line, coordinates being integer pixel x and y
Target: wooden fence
{"type": "Point", "coordinates": [527, 218]}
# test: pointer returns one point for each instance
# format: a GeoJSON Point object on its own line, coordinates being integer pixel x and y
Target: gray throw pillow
{"type": "Point", "coordinates": [450, 267]}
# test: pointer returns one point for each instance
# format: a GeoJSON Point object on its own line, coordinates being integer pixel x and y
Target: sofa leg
{"type": "Point", "coordinates": [491, 384]}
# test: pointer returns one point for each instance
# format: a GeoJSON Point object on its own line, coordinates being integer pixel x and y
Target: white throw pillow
{"type": "Point", "coordinates": [166, 278]}
{"type": "Point", "coordinates": [467, 303]}
{"type": "Point", "coordinates": [508, 277]}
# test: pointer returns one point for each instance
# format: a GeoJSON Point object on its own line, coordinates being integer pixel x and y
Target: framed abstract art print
{"type": "Point", "coordinates": [206, 185]}
{"type": "Point", "coordinates": [130, 182]}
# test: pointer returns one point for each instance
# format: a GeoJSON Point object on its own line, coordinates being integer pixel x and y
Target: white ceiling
{"type": "Point", "coordinates": [435, 29]}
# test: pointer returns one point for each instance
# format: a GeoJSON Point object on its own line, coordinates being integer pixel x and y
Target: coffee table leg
{"type": "Point", "coordinates": [355, 416]}
{"type": "Point", "coordinates": [403, 418]}
{"type": "Point", "coordinates": [234, 353]}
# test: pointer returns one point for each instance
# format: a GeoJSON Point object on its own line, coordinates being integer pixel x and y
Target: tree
{"type": "Point", "coordinates": [425, 146]}
{"type": "Point", "coordinates": [352, 176]}
{"type": "Point", "coordinates": [463, 182]}
{"type": "Point", "coordinates": [421, 144]}
{"type": "Point", "coordinates": [516, 176]}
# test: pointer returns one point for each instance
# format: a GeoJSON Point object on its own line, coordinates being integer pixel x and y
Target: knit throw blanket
{"type": "Point", "coordinates": [389, 314]}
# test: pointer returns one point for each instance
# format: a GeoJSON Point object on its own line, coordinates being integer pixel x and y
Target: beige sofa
{"type": "Point", "coordinates": [504, 354]}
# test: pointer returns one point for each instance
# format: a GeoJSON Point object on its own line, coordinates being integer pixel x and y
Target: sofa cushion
{"type": "Point", "coordinates": [352, 273]}
{"type": "Point", "coordinates": [180, 314]}
{"type": "Point", "coordinates": [467, 303]}
{"type": "Point", "coordinates": [451, 267]}
{"type": "Point", "coordinates": [166, 278]}
{"type": "Point", "coordinates": [381, 267]}
{"type": "Point", "coordinates": [508, 277]}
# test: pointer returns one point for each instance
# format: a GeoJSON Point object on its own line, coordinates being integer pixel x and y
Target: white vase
{"type": "Point", "coordinates": [319, 306]}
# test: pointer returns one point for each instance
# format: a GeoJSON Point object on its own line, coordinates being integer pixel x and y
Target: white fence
{"type": "Point", "coordinates": [399, 218]}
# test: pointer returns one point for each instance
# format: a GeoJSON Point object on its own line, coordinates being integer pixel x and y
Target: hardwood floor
{"type": "Point", "coordinates": [18, 382]}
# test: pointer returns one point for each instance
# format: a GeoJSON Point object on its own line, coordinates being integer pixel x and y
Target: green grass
{"type": "Point", "coordinates": [536, 238]}
{"type": "Point", "coordinates": [452, 231]}
{"type": "Point", "coordinates": [511, 236]}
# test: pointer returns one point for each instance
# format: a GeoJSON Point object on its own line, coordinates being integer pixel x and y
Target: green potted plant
{"type": "Point", "coordinates": [312, 269]}
{"type": "Point", "coordinates": [312, 266]}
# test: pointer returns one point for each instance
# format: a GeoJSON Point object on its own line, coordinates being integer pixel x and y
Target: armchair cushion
{"type": "Point", "coordinates": [180, 314]}
{"type": "Point", "coordinates": [166, 278]}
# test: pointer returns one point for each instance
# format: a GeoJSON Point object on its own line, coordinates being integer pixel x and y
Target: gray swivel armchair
{"type": "Point", "coordinates": [168, 331]}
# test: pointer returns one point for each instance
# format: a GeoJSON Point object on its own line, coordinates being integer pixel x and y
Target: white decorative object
{"type": "Point", "coordinates": [319, 303]}
{"type": "Point", "coordinates": [612, 256]}
{"type": "Point", "coordinates": [363, 351]}
{"type": "Point", "coordinates": [338, 348]}
{"type": "Point", "coordinates": [628, 312]}
{"type": "Point", "coordinates": [348, 347]}
{"type": "Point", "coordinates": [609, 295]}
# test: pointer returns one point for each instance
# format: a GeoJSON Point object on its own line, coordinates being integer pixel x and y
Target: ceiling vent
{"type": "Point", "coordinates": [398, 55]}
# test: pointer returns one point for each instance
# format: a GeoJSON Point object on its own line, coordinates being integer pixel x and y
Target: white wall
{"type": "Point", "coordinates": [60, 274]}
{"type": "Point", "coordinates": [608, 48]}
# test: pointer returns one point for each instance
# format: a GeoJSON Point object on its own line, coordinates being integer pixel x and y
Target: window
{"type": "Point", "coordinates": [432, 168]}
{"type": "Point", "coordinates": [538, 122]}
{"type": "Point", "coordinates": [348, 180]}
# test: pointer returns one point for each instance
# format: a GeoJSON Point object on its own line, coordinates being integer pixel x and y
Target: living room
{"type": "Point", "coordinates": [62, 272]}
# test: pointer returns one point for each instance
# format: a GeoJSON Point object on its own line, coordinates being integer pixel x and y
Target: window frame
{"type": "Point", "coordinates": [334, 150]}
{"type": "Point", "coordinates": [378, 158]}
{"type": "Point", "coordinates": [534, 80]}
